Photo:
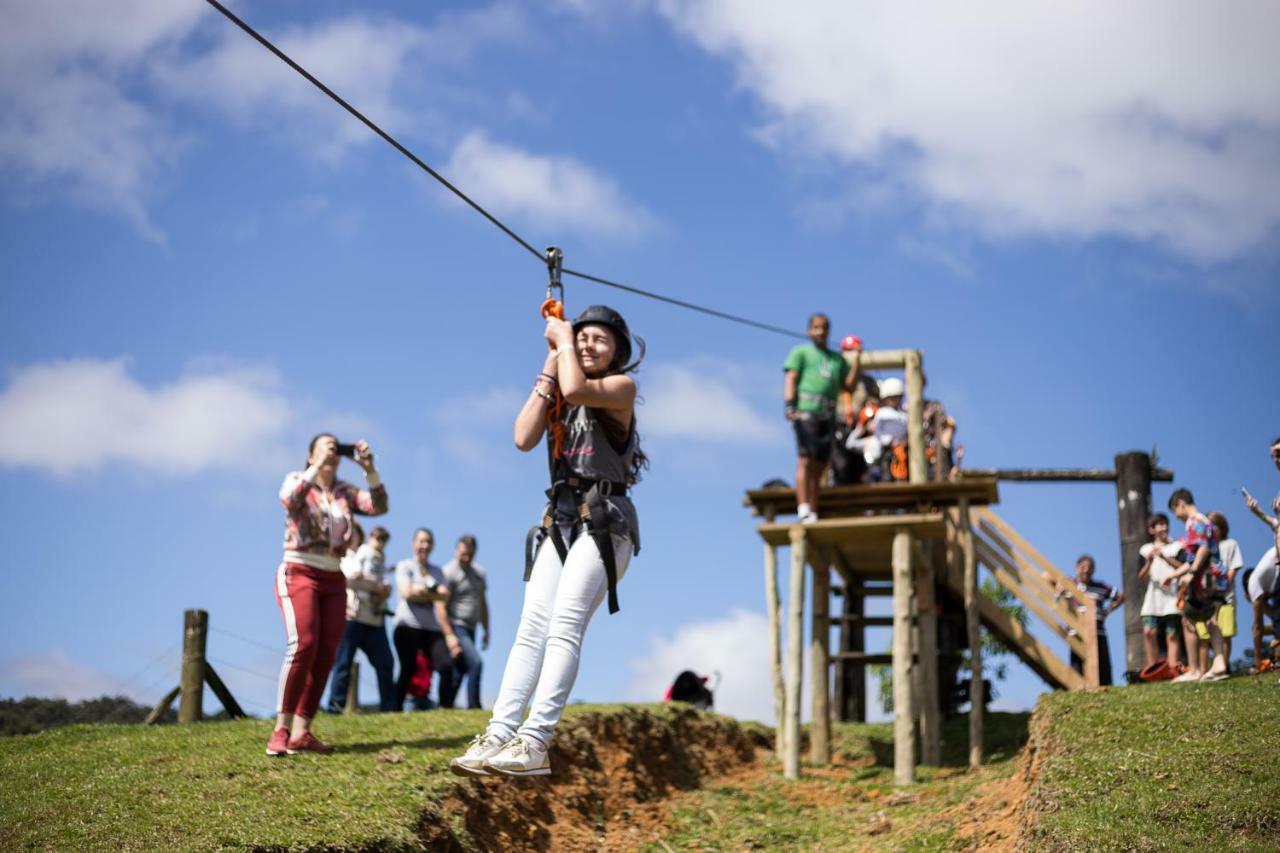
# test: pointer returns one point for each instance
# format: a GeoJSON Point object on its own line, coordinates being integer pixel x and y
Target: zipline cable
{"type": "Point", "coordinates": [682, 304]}
{"type": "Point", "coordinates": [417, 161]}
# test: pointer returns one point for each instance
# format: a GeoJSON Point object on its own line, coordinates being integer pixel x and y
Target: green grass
{"type": "Point", "coordinates": [854, 805]}
{"type": "Point", "coordinates": [211, 785]}
{"type": "Point", "coordinates": [1160, 767]}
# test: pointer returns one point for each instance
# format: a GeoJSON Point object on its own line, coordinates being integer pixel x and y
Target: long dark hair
{"type": "Point", "coordinates": [639, 461]}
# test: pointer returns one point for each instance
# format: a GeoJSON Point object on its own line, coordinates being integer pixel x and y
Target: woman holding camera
{"type": "Point", "coordinates": [310, 586]}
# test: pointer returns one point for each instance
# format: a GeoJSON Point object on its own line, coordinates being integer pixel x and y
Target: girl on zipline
{"type": "Point", "coordinates": [583, 401]}
{"type": "Point", "coordinates": [310, 586]}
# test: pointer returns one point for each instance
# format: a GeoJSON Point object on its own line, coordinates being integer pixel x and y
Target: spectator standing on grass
{"type": "Point", "coordinates": [367, 594]}
{"type": "Point", "coordinates": [421, 621]}
{"type": "Point", "coordinates": [1160, 615]}
{"type": "Point", "coordinates": [468, 609]}
{"type": "Point", "coordinates": [1199, 596]}
{"type": "Point", "coordinates": [1262, 590]}
{"type": "Point", "coordinates": [1273, 520]}
{"type": "Point", "coordinates": [1225, 582]}
{"type": "Point", "coordinates": [814, 378]}
{"type": "Point", "coordinates": [1106, 599]}
{"type": "Point", "coordinates": [310, 587]}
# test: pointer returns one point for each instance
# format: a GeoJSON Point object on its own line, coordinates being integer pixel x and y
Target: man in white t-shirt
{"type": "Point", "coordinates": [1160, 613]}
{"type": "Point", "coordinates": [1262, 589]}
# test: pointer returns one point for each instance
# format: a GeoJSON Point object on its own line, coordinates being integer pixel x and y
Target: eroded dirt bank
{"type": "Point", "coordinates": [611, 774]}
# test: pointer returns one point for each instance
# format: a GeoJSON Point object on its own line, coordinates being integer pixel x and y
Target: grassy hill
{"type": "Point", "coordinates": [1144, 768]}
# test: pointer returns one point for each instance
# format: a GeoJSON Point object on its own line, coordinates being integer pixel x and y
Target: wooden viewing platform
{"type": "Point", "coordinates": [927, 539]}
{"type": "Point", "coordinates": [923, 542]}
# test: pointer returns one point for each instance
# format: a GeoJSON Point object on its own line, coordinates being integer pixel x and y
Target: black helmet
{"type": "Point", "coordinates": [603, 315]}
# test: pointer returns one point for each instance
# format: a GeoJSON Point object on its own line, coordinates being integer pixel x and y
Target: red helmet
{"type": "Point", "coordinates": [851, 342]}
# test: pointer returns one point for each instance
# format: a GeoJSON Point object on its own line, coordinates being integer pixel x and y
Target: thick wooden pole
{"type": "Point", "coordinates": [352, 705]}
{"type": "Point", "coordinates": [1133, 502]}
{"type": "Point", "coordinates": [195, 630]}
{"type": "Point", "coordinates": [927, 625]}
{"type": "Point", "coordinates": [918, 466]}
{"type": "Point", "coordinates": [904, 769]}
{"type": "Point", "coordinates": [773, 606]}
{"type": "Point", "coordinates": [795, 653]}
{"type": "Point", "coordinates": [820, 662]}
{"type": "Point", "coordinates": [973, 627]}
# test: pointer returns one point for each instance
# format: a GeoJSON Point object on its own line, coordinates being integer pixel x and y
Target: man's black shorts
{"type": "Point", "coordinates": [814, 435]}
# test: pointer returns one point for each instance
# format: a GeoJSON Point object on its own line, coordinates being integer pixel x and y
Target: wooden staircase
{"type": "Point", "coordinates": [1018, 567]}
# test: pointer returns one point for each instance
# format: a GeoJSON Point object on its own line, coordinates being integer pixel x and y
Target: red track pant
{"type": "Point", "coordinates": [314, 605]}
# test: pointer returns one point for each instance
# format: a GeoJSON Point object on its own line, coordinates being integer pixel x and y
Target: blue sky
{"type": "Point", "coordinates": [1072, 213]}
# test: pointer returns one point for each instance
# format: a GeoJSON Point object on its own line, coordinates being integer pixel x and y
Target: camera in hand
{"type": "Point", "coordinates": [347, 450]}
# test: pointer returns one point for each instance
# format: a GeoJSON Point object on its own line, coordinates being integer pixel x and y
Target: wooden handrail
{"type": "Point", "coordinates": [1000, 570]}
{"type": "Point", "coordinates": [1033, 578]}
{"type": "Point", "coordinates": [1039, 559]}
{"type": "Point", "coordinates": [1086, 611]}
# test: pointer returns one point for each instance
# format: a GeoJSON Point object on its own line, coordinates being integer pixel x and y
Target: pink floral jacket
{"type": "Point", "coordinates": [308, 515]}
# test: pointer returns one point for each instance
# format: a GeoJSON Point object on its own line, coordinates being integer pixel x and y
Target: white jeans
{"type": "Point", "coordinates": [559, 601]}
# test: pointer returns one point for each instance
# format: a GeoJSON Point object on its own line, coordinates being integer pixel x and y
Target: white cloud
{"type": "Point", "coordinates": [736, 646]}
{"type": "Point", "coordinates": [360, 59]}
{"type": "Point", "coordinates": [65, 68]}
{"type": "Point", "coordinates": [1140, 120]}
{"type": "Point", "coordinates": [87, 94]}
{"type": "Point", "coordinates": [53, 675]}
{"type": "Point", "coordinates": [76, 416]}
{"type": "Point", "coordinates": [704, 399]}
{"type": "Point", "coordinates": [556, 191]}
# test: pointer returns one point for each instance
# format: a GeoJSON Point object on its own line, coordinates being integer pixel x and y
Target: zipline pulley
{"type": "Point", "coordinates": [553, 306]}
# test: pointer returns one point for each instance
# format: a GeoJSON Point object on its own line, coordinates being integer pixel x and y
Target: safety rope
{"type": "Point", "coordinates": [553, 306]}
{"type": "Point", "coordinates": [417, 161]}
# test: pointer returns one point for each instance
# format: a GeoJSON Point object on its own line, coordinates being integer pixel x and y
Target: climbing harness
{"type": "Point", "coordinates": [587, 494]}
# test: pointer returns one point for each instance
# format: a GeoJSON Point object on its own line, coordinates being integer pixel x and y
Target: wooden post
{"type": "Point", "coordinates": [773, 605]}
{"type": "Point", "coordinates": [917, 464]}
{"type": "Point", "coordinates": [820, 662]}
{"type": "Point", "coordinates": [927, 628]}
{"type": "Point", "coordinates": [1092, 677]}
{"type": "Point", "coordinates": [973, 625]}
{"type": "Point", "coordinates": [162, 707]}
{"type": "Point", "coordinates": [195, 631]}
{"type": "Point", "coordinates": [352, 705]}
{"type": "Point", "coordinates": [795, 654]}
{"type": "Point", "coordinates": [1133, 501]}
{"type": "Point", "coordinates": [229, 703]}
{"type": "Point", "coordinates": [904, 770]}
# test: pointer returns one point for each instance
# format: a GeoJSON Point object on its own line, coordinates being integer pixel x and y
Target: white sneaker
{"type": "Point", "coordinates": [809, 518]}
{"type": "Point", "coordinates": [1187, 677]}
{"type": "Point", "coordinates": [519, 756]}
{"type": "Point", "coordinates": [1214, 676]}
{"type": "Point", "coordinates": [471, 762]}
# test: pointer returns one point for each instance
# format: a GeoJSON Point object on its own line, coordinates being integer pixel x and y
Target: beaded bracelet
{"type": "Point", "coordinates": [543, 394]}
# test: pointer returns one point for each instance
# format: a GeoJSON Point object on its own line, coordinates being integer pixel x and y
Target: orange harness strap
{"type": "Point", "coordinates": [553, 307]}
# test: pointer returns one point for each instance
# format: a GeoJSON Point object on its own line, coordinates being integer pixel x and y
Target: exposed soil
{"type": "Point", "coordinates": [617, 777]}
{"type": "Point", "coordinates": [612, 775]}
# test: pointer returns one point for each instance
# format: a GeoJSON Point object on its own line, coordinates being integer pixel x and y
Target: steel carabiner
{"type": "Point", "coordinates": [553, 305]}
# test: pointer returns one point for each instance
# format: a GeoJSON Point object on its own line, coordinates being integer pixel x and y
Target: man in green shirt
{"type": "Point", "coordinates": [815, 378]}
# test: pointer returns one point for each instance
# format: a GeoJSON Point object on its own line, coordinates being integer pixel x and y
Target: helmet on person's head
{"type": "Point", "coordinates": [851, 342]}
{"type": "Point", "coordinates": [603, 315]}
{"type": "Point", "coordinates": [891, 387]}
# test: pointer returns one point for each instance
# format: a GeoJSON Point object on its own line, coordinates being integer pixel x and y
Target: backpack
{"type": "Point", "coordinates": [692, 688]}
